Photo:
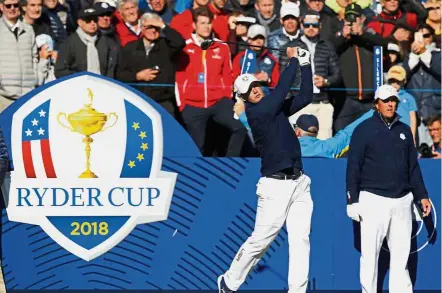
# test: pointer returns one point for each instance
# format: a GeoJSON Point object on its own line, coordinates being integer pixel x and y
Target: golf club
{"type": "Point", "coordinates": [207, 43]}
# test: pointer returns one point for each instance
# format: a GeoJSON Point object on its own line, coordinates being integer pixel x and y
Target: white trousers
{"type": "Point", "coordinates": [324, 113]}
{"type": "Point", "coordinates": [385, 217]}
{"type": "Point", "coordinates": [279, 201]}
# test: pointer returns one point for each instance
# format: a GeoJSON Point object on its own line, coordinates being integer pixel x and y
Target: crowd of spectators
{"type": "Point", "coordinates": [155, 46]}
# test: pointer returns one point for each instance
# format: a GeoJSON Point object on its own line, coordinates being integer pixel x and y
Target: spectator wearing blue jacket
{"type": "Point", "coordinates": [383, 180]}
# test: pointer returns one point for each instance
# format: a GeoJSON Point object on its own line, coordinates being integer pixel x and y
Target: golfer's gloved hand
{"type": "Point", "coordinates": [353, 212]}
{"type": "Point", "coordinates": [303, 57]}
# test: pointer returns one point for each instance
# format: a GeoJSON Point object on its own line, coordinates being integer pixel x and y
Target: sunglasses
{"type": "Point", "coordinates": [426, 36]}
{"type": "Point", "coordinates": [108, 14]}
{"type": "Point", "coordinates": [311, 24]}
{"type": "Point", "coordinates": [9, 6]}
{"type": "Point", "coordinates": [91, 19]}
{"type": "Point", "coordinates": [433, 8]}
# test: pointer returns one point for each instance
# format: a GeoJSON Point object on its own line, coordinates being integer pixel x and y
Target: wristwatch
{"type": "Point", "coordinates": [326, 82]}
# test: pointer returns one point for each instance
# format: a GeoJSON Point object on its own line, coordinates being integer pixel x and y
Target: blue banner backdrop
{"type": "Point", "coordinates": [212, 213]}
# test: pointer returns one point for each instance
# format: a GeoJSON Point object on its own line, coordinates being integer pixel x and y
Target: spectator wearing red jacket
{"type": "Point", "coordinates": [255, 59]}
{"type": "Point", "coordinates": [183, 22]}
{"type": "Point", "coordinates": [128, 28]}
{"type": "Point", "coordinates": [385, 23]}
{"type": "Point", "coordinates": [204, 85]}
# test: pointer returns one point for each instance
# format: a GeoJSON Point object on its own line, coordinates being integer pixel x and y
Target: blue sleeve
{"type": "Point", "coordinates": [416, 181]}
{"type": "Point", "coordinates": [182, 5]}
{"type": "Point", "coordinates": [355, 162]}
{"type": "Point", "coordinates": [412, 106]}
{"type": "Point", "coordinates": [273, 103]}
{"type": "Point", "coordinates": [243, 120]}
{"type": "Point", "coordinates": [435, 67]}
{"type": "Point", "coordinates": [273, 43]}
{"type": "Point", "coordinates": [341, 140]}
{"type": "Point", "coordinates": [305, 95]}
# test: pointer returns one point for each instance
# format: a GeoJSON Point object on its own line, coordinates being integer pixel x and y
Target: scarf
{"type": "Point", "coordinates": [93, 63]}
{"type": "Point", "coordinates": [265, 22]}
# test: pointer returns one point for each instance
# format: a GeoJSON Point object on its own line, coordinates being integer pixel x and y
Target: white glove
{"type": "Point", "coordinates": [353, 212]}
{"type": "Point", "coordinates": [303, 57]}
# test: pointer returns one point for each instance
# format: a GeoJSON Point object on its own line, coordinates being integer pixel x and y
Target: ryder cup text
{"type": "Point", "coordinates": [91, 196]}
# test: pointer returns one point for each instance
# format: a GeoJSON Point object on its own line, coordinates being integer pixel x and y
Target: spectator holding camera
{"type": "Point", "coordinates": [204, 83]}
{"type": "Point", "coordinates": [355, 52]}
{"type": "Point", "coordinates": [423, 66]}
{"type": "Point", "coordinates": [85, 50]}
{"type": "Point", "coordinates": [256, 60]}
{"type": "Point", "coordinates": [151, 59]}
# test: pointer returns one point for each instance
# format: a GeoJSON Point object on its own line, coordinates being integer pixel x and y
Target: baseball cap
{"type": "Point", "coordinates": [386, 91]}
{"type": "Point", "coordinates": [312, 14]}
{"type": "Point", "coordinates": [306, 121]}
{"type": "Point", "coordinates": [397, 72]}
{"type": "Point", "coordinates": [256, 30]}
{"type": "Point", "coordinates": [87, 13]}
{"type": "Point", "coordinates": [244, 82]}
{"type": "Point", "coordinates": [102, 8]}
{"type": "Point", "coordinates": [392, 47]}
{"type": "Point", "coordinates": [354, 9]}
{"type": "Point", "coordinates": [245, 19]}
{"type": "Point", "coordinates": [289, 8]}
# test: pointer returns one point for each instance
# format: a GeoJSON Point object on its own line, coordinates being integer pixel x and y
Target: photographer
{"type": "Point", "coordinates": [434, 128]}
{"type": "Point", "coordinates": [355, 50]}
{"type": "Point", "coordinates": [151, 60]}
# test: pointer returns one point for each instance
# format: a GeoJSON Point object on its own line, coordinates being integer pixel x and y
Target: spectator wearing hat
{"type": "Point", "coordinates": [159, 7]}
{"type": "Point", "coordinates": [128, 27]}
{"type": "Point", "coordinates": [183, 23]}
{"type": "Point", "coordinates": [86, 50]}
{"type": "Point", "coordinates": [239, 26]}
{"type": "Point", "coordinates": [325, 68]}
{"type": "Point", "coordinates": [151, 59]}
{"type": "Point", "coordinates": [105, 26]}
{"type": "Point", "coordinates": [256, 59]}
{"type": "Point", "coordinates": [423, 66]}
{"type": "Point", "coordinates": [355, 50]}
{"type": "Point", "coordinates": [289, 30]}
{"type": "Point", "coordinates": [204, 86]}
{"type": "Point", "coordinates": [318, 6]}
{"type": "Point", "coordinates": [434, 18]}
{"type": "Point", "coordinates": [20, 68]}
{"type": "Point", "coordinates": [394, 57]}
{"type": "Point", "coordinates": [407, 108]}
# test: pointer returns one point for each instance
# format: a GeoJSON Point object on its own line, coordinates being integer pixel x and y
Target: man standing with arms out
{"type": "Point", "coordinates": [383, 179]}
{"type": "Point", "coordinates": [283, 190]}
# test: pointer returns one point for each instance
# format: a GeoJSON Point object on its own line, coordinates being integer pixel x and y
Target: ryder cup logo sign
{"type": "Point", "coordinates": [87, 154]}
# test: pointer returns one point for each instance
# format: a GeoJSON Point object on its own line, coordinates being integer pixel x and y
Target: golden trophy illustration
{"type": "Point", "coordinates": [87, 121]}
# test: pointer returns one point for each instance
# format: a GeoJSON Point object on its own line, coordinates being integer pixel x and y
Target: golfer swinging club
{"type": "Point", "coordinates": [283, 190]}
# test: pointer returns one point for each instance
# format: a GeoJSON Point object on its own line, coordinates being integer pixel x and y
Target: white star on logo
{"type": "Point", "coordinates": [28, 132]}
{"type": "Point", "coordinates": [42, 113]}
{"type": "Point", "coordinates": [41, 131]}
{"type": "Point", "coordinates": [34, 122]}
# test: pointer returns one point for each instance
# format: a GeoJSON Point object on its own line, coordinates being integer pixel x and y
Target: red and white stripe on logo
{"type": "Point", "coordinates": [37, 159]}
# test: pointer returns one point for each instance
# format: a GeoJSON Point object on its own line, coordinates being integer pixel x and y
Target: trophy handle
{"type": "Point", "coordinates": [116, 119]}
{"type": "Point", "coordinates": [61, 123]}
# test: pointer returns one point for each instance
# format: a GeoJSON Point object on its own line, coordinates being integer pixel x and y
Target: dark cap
{"type": "Point", "coordinates": [312, 13]}
{"type": "Point", "coordinates": [87, 13]}
{"type": "Point", "coordinates": [354, 9]}
{"type": "Point", "coordinates": [306, 121]}
{"type": "Point", "coordinates": [103, 8]}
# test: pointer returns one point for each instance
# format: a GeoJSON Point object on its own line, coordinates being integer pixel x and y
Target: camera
{"type": "Point", "coordinates": [425, 151]}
